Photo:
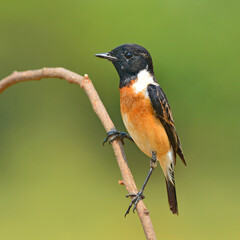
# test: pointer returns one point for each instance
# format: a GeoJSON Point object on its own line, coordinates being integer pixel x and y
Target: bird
{"type": "Point", "coordinates": [147, 116]}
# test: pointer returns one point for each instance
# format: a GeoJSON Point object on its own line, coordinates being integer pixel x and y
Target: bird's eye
{"type": "Point", "coordinates": [128, 55]}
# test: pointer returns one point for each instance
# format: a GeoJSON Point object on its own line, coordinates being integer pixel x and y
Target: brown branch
{"type": "Point", "coordinates": [101, 112]}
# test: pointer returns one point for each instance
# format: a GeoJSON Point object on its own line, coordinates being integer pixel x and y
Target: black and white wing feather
{"type": "Point", "coordinates": [164, 114]}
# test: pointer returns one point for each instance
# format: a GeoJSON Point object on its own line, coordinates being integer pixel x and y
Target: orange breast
{"type": "Point", "coordinates": [139, 118]}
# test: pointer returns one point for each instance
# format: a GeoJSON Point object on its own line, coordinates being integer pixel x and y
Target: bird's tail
{"type": "Point", "coordinates": [172, 197]}
{"type": "Point", "coordinates": [167, 164]}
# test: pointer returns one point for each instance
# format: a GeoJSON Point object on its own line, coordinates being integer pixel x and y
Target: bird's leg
{"type": "Point", "coordinates": [112, 135]}
{"type": "Point", "coordinates": [139, 196]}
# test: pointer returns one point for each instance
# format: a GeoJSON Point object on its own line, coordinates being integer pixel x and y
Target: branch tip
{"type": "Point", "coordinates": [86, 79]}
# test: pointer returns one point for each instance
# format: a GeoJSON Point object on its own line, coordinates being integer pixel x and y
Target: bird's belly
{"type": "Point", "coordinates": [148, 134]}
{"type": "Point", "coordinates": [141, 123]}
{"type": "Point", "coordinates": [138, 133]}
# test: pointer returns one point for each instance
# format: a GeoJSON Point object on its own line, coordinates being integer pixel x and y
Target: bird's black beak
{"type": "Point", "coordinates": [106, 56]}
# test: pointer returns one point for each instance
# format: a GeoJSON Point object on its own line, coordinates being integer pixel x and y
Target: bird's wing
{"type": "Point", "coordinates": [164, 114]}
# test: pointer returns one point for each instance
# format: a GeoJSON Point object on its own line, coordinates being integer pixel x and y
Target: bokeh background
{"type": "Point", "coordinates": [56, 179]}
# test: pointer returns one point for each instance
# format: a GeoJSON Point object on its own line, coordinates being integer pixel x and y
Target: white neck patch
{"type": "Point", "coordinates": [143, 79]}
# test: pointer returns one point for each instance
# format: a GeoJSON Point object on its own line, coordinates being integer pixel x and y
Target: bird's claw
{"type": "Point", "coordinates": [137, 197]}
{"type": "Point", "coordinates": [112, 135]}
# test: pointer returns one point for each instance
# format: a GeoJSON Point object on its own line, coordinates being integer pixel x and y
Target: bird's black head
{"type": "Point", "coordinates": [129, 60]}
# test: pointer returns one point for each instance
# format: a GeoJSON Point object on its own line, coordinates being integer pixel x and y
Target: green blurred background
{"type": "Point", "coordinates": [56, 179]}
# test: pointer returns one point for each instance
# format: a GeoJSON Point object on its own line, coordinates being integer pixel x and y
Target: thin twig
{"type": "Point", "coordinates": [101, 112]}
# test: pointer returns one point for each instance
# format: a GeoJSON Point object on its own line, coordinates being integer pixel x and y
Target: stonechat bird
{"type": "Point", "coordinates": [146, 114]}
